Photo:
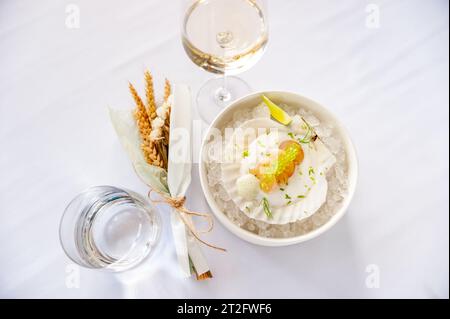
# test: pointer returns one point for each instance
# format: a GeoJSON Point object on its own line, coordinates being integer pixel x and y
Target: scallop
{"type": "Point", "coordinates": [278, 168]}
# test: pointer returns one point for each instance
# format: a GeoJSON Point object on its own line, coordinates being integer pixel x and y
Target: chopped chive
{"type": "Point", "coordinates": [266, 207]}
{"type": "Point", "coordinates": [286, 196]}
{"type": "Point", "coordinates": [308, 137]}
{"type": "Point", "coordinates": [245, 153]}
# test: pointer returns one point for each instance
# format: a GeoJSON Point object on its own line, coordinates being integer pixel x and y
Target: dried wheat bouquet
{"type": "Point", "coordinates": [145, 133]}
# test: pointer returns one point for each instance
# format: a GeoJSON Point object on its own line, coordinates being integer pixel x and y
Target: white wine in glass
{"type": "Point", "coordinates": [225, 37]}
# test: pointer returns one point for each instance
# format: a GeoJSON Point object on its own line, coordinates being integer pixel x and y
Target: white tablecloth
{"type": "Point", "coordinates": [389, 85]}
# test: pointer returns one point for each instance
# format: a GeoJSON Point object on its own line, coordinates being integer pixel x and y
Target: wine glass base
{"type": "Point", "coordinates": [212, 97]}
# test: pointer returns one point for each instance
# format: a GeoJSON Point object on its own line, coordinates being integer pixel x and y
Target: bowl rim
{"type": "Point", "coordinates": [267, 241]}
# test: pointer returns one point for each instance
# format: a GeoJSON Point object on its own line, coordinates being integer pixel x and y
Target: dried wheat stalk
{"type": "Point", "coordinates": [153, 123]}
{"type": "Point", "coordinates": [150, 94]}
{"type": "Point", "coordinates": [166, 127]}
{"type": "Point", "coordinates": [167, 90]}
{"type": "Point", "coordinates": [149, 150]}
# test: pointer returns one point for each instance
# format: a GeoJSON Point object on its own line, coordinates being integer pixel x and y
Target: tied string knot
{"type": "Point", "coordinates": [185, 214]}
{"type": "Point", "coordinates": [176, 203]}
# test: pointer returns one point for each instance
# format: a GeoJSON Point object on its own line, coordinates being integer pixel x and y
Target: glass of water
{"type": "Point", "coordinates": [109, 228]}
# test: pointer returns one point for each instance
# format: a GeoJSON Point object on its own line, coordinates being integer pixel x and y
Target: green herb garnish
{"type": "Point", "coordinates": [301, 196]}
{"type": "Point", "coordinates": [311, 174]}
{"type": "Point", "coordinates": [245, 153]}
{"type": "Point", "coordinates": [291, 135]}
{"type": "Point", "coordinates": [309, 136]}
{"type": "Point", "coordinates": [286, 196]}
{"type": "Point", "coordinates": [266, 207]}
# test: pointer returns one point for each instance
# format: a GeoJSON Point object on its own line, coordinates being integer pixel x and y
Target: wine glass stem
{"type": "Point", "coordinates": [222, 94]}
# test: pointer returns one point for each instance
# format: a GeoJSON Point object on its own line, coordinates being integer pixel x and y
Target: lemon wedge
{"type": "Point", "coordinates": [277, 112]}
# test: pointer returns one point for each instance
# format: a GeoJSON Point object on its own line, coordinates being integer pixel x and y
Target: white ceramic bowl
{"type": "Point", "coordinates": [320, 112]}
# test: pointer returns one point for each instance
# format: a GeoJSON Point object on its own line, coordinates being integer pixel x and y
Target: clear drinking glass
{"type": "Point", "coordinates": [109, 228]}
{"type": "Point", "coordinates": [225, 37]}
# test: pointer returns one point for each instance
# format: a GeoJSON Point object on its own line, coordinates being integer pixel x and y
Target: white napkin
{"type": "Point", "coordinates": [179, 178]}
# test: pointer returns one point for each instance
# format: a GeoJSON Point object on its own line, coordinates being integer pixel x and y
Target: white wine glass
{"type": "Point", "coordinates": [225, 37]}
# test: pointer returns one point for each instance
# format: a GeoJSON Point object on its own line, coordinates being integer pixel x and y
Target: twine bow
{"type": "Point", "coordinates": [183, 212]}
